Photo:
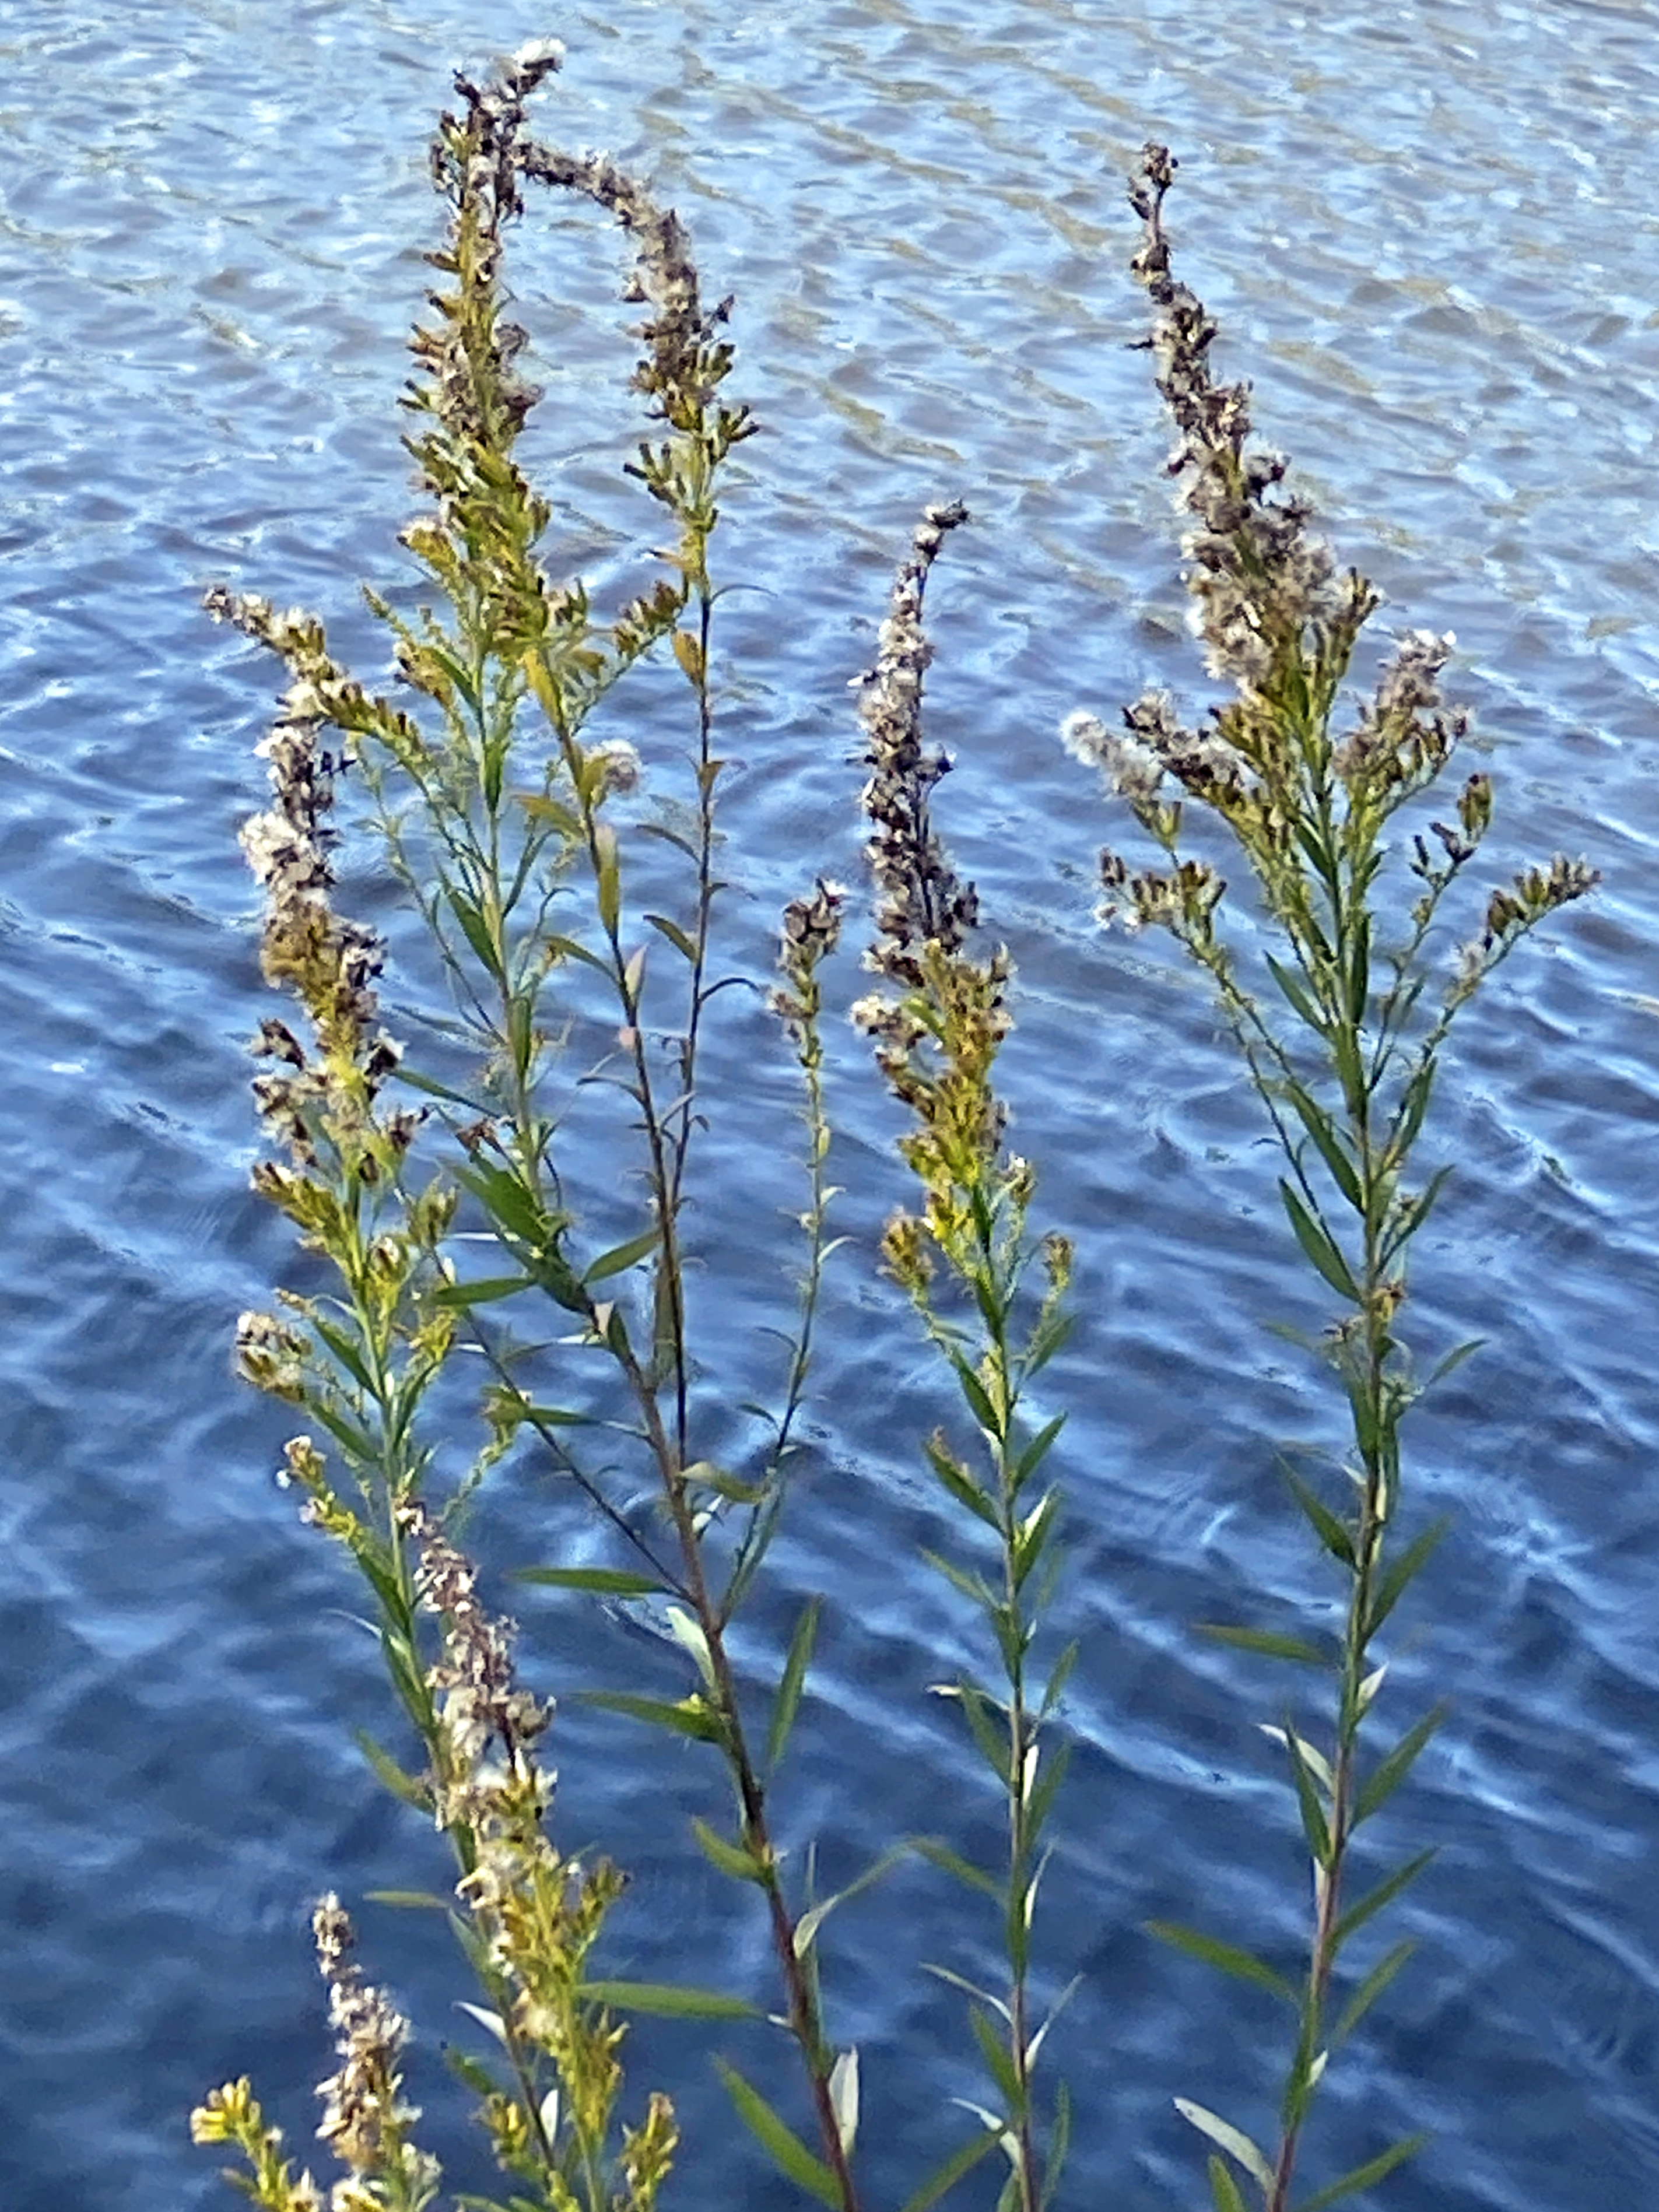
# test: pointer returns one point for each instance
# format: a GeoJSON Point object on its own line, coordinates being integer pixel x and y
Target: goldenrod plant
{"type": "Point", "coordinates": [359, 1363]}
{"type": "Point", "coordinates": [1342, 1033]}
{"type": "Point", "coordinates": [938, 1025]}
{"type": "Point", "coordinates": [498, 812]}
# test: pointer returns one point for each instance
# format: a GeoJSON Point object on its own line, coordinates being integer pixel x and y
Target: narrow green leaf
{"type": "Point", "coordinates": [1401, 1572]}
{"type": "Point", "coordinates": [1408, 1120]}
{"type": "Point", "coordinates": [1393, 1769]}
{"type": "Point", "coordinates": [1454, 1359]}
{"type": "Point", "coordinates": [1371, 1988]}
{"type": "Point", "coordinates": [1223, 2189]}
{"type": "Point", "coordinates": [785, 2147]}
{"type": "Point", "coordinates": [1227, 1956]}
{"type": "Point", "coordinates": [409, 1900]}
{"type": "Point", "coordinates": [552, 1417]}
{"type": "Point", "coordinates": [549, 811]}
{"type": "Point", "coordinates": [995, 1749]}
{"type": "Point", "coordinates": [807, 1927]}
{"type": "Point", "coordinates": [672, 2000]}
{"type": "Point", "coordinates": [675, 936]}
{"type": "Point", "coordinates": [1411, 1215]}
{"type": "Point", "coordinates": [433, 1089]}
{"type": "Point", "coordinates": [1365, 2176]}
{"type": "Point", "coordinates": [474, 930]}
{"type": "Point", "coordinates": [1321, 1127]}
{"type": "Point", "coordinates": [1057, 1679]}
{"type": "Point", "coordinates": [690, 1716]}
{"type": "Point", "coordinates": [1033, 1455]}
{"type": "Point", "coordinates": [793, 1681]}
{"type": "Point", "coordinates": [944, 2177]}
{"type": "Point", "coordinates": [477, 2078]}
{"type": "Point", "coordinates": [971, 1584]}
{"type": "Point", "coordinates": [571, 948]}
{"type": "Point", "coordinates": [972, 1989]}
{"type": "Point", "coordinates": [939, 1854]}
{"type": "Point", "coordinates": [620, 1256]}
{"type": "Point", "coordinates": [1359, 969]}
{"type": "Point", "coordinates": [704, 1474]}
{"type": "Point", "coordinates": [1316, 1242]}
{"type": "Point", "coordinates": [357, 1445]}
{"type": "Point", "coordinates": [1233, 2140]}
{"type": "Point", "coordinates": [1266, 1641]}
{"type": "Point", "coordinates": [408, 1787]}
{"type": "Point", "coordinates": [1032, 1535]}
{"type": "Point", "coordinates": [731, 1858]}
{"type": "Point", "coordinates": [956, 1479]}
{"type": "Point", "coordinates": [607, 1582]}
{"type": "Point", "coordinates": [1313, 1822]}
{"type": "Point", "coordinates": [1059, 2142]}
{"type": "Point", "coordinates": [344, 1350]}
{"type": "Point", "coordinates": [1326, 1526]}
{"type": "Point", "coordinates": [607, 877]}
{"type": "Point", "coordinates": [670, 837]}
{"type": "Point", "coordinates": [1298, 995]}
{"type": "Point", "coordinates": [979, 1405]}
{"type": "Point", "coordinates": [1041, 1801]}
{"type": "Point", "coordinates": [998, 2063]}
{"type": "Point", "coordinates": [482, 1293]}
{"type": "Point", "coordinates": [1384, 1893]}
{"type": "Point", "coordinates": [1046, 1341]}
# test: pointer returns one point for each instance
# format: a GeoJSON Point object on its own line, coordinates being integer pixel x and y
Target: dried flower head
{"type": "Point", "coordinates": [480, 1705]}
{"type": "Point", "coordinates": [921, 900]}
{"type": "Point", "coordinates": [365, 2114]}
{"type": "Point", "coordinates": [811, 931]}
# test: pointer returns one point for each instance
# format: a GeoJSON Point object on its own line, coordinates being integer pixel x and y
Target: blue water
{"type": "Point", "coordinates": [1427, 232]}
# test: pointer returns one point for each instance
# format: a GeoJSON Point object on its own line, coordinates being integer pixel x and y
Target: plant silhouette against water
{"type": "Point", "coordinates": [510, 828]}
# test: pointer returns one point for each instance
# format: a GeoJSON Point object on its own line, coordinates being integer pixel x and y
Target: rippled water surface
{"type": "Point", "coordinates": [1427, 230]}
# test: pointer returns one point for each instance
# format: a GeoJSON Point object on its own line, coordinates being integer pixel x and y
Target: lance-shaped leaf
{"type": "Point", "coordinates": [945, 2176]}
{"type": "Point", "coordinates": [997, 2060]}
{"type": "Point", "coordinates": [604, 1582]}
{"type": "Point", "coordinates": [807, 1926]}
{"type": "Point", "coordinates": [940, 1854]}
{"type": "Point", "coordinates": [1317, 1243]}
{"type": "Point", "coordinates": [1366, 2176]}
{"type": "Point", "coordinates": [1326, 1526]}
{"type": "Point", "coordinates": [1370, 1989]}
{"type": "Point", "coordinates": [621, 1257]}
{"type": "Point", "coordinates": [731, 1858]}
{"type": "Point", "coordinates": [1269, 1642]}
{"type": "Point", "coordinates": [1296, 993]}
{"type": "Point", "coordinates": [1313, 1822]}
{"type": "Point", "coordinates": [957, 1481]}
{"type": "Point", "coordinates": [675, 936]}
{"type": "Point", "coordinates": [1454, 1359]}
{"type": "Point", "coordinates": [672, 2000]}
{"type": "Point", "coordinates": [1393, 1585]}
{"type": "Point", "coordinates": [1232, 2140]}
{"type": "Point", "coordinates": [1223, 2190]}
{"type": "Point", "coordinates": [791, 2154]}
{"type": "Point", "coordinates": [690, 1716]}
{"type": "Point", "coordinates": [1384, 1893]}
{"type": "Point", "coordinates": [1321, 1128]}
{"type": "Point", "coordinates": [793, 1681]}
{"type": "Point", "coordinates": [1391, 1772]}
{"type": "Point", "coordinates": [1244, 1965]}
{"type": "Point", "coordinates": [464, 1297]}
